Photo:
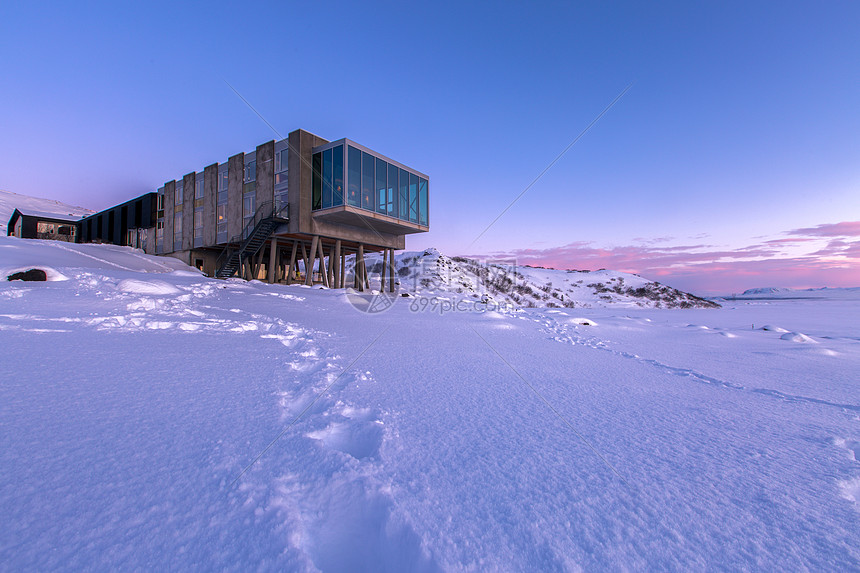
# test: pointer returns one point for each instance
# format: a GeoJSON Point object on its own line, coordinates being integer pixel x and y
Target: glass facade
{"type": "Point", "coordinates": [353, 181]}
{"type": "Point", "coordinates": [249, 194]}
{"type": "Point", "coordinates": [177, 232]}
{"type": "Point", "coordinates": [371, 183]}
{"type": "Point", "coordinates": [281, 180]}
{"type": "Point", "coordinates": [221, 206]}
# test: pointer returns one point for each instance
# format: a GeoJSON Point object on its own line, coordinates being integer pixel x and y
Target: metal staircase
{"type": "Point", "coordinates": [231, 258]}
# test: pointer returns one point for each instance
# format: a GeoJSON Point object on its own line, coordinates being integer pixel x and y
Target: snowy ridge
{"type": "Point", "coordinates": [776, 293]}
{"type": "Point", "coordinates": [10, 201]}
{"type": "Point", "coordinates": [432, 273]}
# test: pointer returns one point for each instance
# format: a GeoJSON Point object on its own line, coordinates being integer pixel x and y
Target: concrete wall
{"type": "Point", "coordinates": [358, 234]}
{"type": "Point", "coordinates": [300, 179]}
{"type": "Point", "coordinates": [265, 173]}
{"type": "Point", "coordinates": [169, 191]}
{"type": "Point", "coordinates": [188, 212]}
{"type": "Point", "coordinates": [210, 200]}
{"type": "Point", "coordinates": [236, 173]}
{"type": "Point", "coordinates": [209, 257]}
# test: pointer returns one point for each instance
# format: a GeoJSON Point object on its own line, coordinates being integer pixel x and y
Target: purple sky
{"type": "Point", "coordinates": [731, 163]}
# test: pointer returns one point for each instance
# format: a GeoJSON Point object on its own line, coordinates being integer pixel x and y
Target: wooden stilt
{"type": "Point", "coordinates": [382, 274]}
{"type": "Point", "coordinates": [258, 264]}
{"type": "Point", "coordinates": [291, 268]}
{"type": "Point", "coordinates": [391, 270]}
{"type": "Point", "coordinates": [305, 259]}
{"type": "Point", "coordinates": [272, 274]}
{"type": "Point", "coordinates": [359, 263]}
{"type": "Point", "coordinates": [343, 268]}
{"type": "Point", "coordinates": [309, 279]}
{"type": "Point", "coordinates": [337, 268]}
{"type": "Point", "coordinates": [323, 270]}
{"type": "Point", "coordinates": [330, 267]}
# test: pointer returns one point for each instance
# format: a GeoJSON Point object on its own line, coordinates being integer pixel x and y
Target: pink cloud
{"type": "Point", "coordinates": [844, 229]}
{"type": "Point", "coordinates": [704, 269]}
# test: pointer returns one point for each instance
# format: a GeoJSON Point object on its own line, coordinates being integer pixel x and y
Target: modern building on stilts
{"type": "Point", "coordinates": [289, 211]}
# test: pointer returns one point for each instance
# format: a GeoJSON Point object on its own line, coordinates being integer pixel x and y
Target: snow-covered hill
{"type": "Point", "coordinates": [434, 274]}
{"type": "Point", "coordinates": [10, 201]}
{"type": "Point", "coordinates": [156, 419]}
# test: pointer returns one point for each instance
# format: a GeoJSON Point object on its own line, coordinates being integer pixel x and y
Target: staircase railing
{"type": "Point", "coordinates": [263, 212]}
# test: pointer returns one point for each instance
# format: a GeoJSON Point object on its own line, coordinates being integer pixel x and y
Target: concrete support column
{"type": "Point", "coordinates": [359, 263]}
{"type": "Point", "coordinates": [309, 265]}
{"type": "Point", "coordinates": [292, 268]}
{"type": "Point", "coordinates": [273, 261]}
{"type": "Point", "coordinates": [382, 274]}
{"type": "Point", "coordinates": [391, 270]}
{"type": "Point", "coordinates": [305, 258]}
{"type": "Point", "coordinates": [323, 270]}
{"type": "Point", "coordinates": [337, 269]}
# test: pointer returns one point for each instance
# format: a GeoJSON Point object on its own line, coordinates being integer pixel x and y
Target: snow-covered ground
{"type": "Point", "coordinates": [10, 201]}
{"type": "Point", "coordinates": [156, 419]}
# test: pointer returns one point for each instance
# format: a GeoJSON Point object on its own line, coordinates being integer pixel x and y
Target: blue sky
{"type": "Point", "coordinates": [741, 126]}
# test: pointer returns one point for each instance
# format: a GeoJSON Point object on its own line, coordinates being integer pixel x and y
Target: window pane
{"type": "Point", "coordinates": [422, 201]}
{"type": "Point", "coordinates": [391, 207]}
{"type": "Point", "coordinates": [381, 187]}
{"type": "Point", "coordinates": [413, 197]}
{"type": "Point", "coordinates": [326, 189]}
{"type": "Point", "coordinates": [316, 199]}
{"type": "Point", "coordinates": [250, 171]}
{"type": "Point", "coordinates": [198, 187]}
{"type": "Point", "coordinates": [353, 167]}
{"type": "Point", "coordinates": [337, 175]}
{"type": "Point", "coordinates": [403, 199]}
{"type": "Point", "coordinates": [177, 195]}
{"type": "Point", "coordinates": [367, 194]}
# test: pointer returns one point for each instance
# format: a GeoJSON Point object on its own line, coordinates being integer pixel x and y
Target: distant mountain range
{"type": "Point", "coordinates": [788, 293]}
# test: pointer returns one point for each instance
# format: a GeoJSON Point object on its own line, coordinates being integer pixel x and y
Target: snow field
{"type": "Point", "coordinates": [154, 418]}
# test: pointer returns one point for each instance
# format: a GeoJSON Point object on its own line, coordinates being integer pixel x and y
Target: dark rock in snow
{"type": "Point", "coordinates": [31, 275]}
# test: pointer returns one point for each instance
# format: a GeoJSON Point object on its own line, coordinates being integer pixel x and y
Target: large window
{"type": "Point", "coordinates": [326, 179]}
{"type": "Point", "coordinates": [177, 196]}
{"type": "Point", "coordinates": [281, 181]}
{"type": "Point", "coordinates": [391, 207]}
{"type": "Point", "coordinates": [423, 218]}
{"type": "Point", "coordinates": [381, 186]}
{"type": "Point", "coordinates": [177, 231]}
{"type": "Point", "coordinates": [249, 195]}
{"type": "Point", "coordinates": [159, 236]}
{"type": "Point", "coordinates": [403, 195]}
{"type": "Point", "coordinates": [337, 176]}
{"type": "Point", "coordinates": [250, 171]}
{"type": "Point", "coordinates": [413, 197]}
{"type": "Point", "coordinates": [198, 186]}
{"type": "Point", "coordinates": [367, 191]}
{"type": "Point", "coordinates": [316, 167]}
{"type": "Point", "coordinates": [281, 166]}
{"type": "Point", "coordinates": [353, 162]}
{"type": "Point", "coordinates": [221, 206]}
{"type": "Point", "coordinates": [370, 183]}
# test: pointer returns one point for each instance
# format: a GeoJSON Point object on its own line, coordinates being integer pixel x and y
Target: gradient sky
{"type": "Point", "coordinates": [732, 162]}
